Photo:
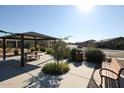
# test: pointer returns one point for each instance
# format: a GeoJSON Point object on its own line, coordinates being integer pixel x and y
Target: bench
{"type": "Point", "coordinates": [111, 72]}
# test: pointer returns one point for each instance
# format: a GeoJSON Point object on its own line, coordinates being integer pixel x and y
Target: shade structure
{"type": "Point", "coordinates": [24, 36]}
{"type": "Point", "coordinates": [29, 36]}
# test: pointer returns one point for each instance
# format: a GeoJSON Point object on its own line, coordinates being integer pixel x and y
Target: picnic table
{"type": "Point", "coordinates": [32, 56]}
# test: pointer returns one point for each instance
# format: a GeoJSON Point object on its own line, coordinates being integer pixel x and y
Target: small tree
{"type": "Point", "coordinates": [61, 51]}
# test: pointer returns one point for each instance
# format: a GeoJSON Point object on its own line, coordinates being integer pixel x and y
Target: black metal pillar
{"type": "Point", "coordinates": [4, 48]}
{"type": "Point", "coordinates": [22, 51]}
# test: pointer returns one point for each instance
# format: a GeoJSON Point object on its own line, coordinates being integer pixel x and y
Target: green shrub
{"type": "Point", "coordinates": [94, 55]}
{"type": "Point", "coordinates": [66, 53]}
{"type": "Point", "coordinates": [56, 69]}
{"type": "Point", "coordinates": [50, 51]}
{"type": "Point", "coordinates": [42, 49]}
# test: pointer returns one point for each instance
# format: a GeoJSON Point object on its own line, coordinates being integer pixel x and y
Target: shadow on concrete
{"type": "Point", "coordinates": [43, 81]}
{"type": "Point", "coordinates": [92, 84]}
{"type": "Point", "coordinates": [89, 64]}
{"type": "Point", "coordinates": [92, 81]}
{"type": "Point", "coordinates": [75, 63]}
{"type": "Point", "coordinates": [11, 68]}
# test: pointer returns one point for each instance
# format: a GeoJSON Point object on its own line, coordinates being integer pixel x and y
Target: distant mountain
{"type": "Point", "coordinates": [87, 43]}
{"type": "Point", "coordinates": [112, 43]}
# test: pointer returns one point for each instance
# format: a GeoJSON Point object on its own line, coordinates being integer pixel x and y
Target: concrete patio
{"type": "Point", "coordinates": [11, 75]}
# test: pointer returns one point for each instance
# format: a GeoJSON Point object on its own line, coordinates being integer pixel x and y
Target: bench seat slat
{"type": "Point", "coordinates": [109, 74]}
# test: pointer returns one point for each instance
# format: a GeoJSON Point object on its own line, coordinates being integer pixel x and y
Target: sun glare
{"type": "Point", "coordinates": [85, 7]}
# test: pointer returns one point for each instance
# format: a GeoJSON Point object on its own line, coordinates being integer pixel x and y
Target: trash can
{"type": "Point", "coordinates": [79, 56]}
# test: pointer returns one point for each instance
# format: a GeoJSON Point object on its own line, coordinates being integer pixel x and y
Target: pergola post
{"type": "Point", "coordinates": [4, 48]}
{"type": "Point", "coordinates": [54, 47]}
{"type": "Point", "coordinates": [22, 51]}
{"type": "Point", "coordinates": [16, 44]}
{"type": "Point", "coordinates": [35, 44]}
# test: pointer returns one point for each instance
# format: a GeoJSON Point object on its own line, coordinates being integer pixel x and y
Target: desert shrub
{"type": "Point", "coordinates": [66, 53]}
{"type": "Point", "coordinates": [42, 49]}
{"type": "Point", "coordinates": [55, 68]}
{"type": "Point", "coordinates": [94, 55]}
{"type": "Point", "coordinates": [50, 51]}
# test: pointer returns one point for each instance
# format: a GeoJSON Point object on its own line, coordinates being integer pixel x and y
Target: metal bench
{"type": "Point", "coordinates": [111, 72]}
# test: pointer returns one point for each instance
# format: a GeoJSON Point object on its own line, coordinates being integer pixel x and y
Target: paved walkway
{"type": "Point", "coordinates": [31, 75]}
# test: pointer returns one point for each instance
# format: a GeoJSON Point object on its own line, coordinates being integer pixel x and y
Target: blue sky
{"type": "Point", "coordinates": [101, 23]}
